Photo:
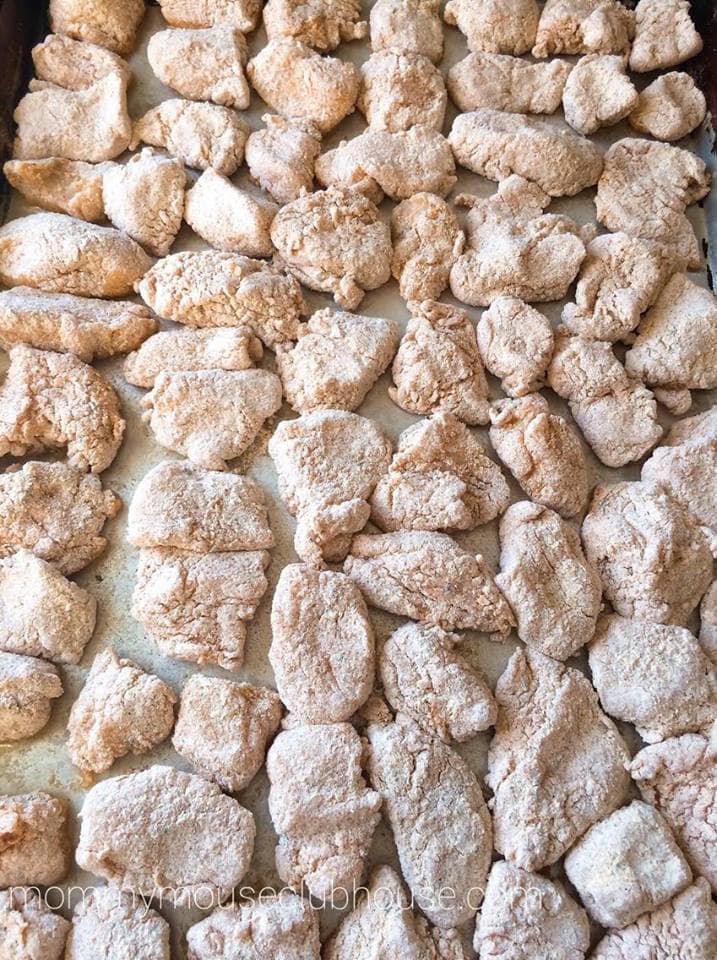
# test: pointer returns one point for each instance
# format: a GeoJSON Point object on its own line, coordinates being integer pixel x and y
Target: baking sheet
{"type": "Point", "coordinates": [42, 763]}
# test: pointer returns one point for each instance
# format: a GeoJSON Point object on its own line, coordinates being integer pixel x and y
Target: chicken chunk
{"type": "Point", "coordinates": [57, 512]}
{"type": "Point", "coordinates": [328, 463]}
{"type": "Point", "coordinates": [53, 400]}
{"type": "Point", "coordinates": [556, 764]}
{"type": "Point", "coordinates": [61, 186]}
{"type": "Point", "coordinates": [75, 64]}
{"type": "Point", "coordinates": [427, 239]}
{"type": "Point", "coordinates": [407, 26]}
{"type": "Point", "coordinates": [438, 366]}
{"type": "Point", "coordinates": [297, 82]}
{"type": "Point", "coordinates": [542, 451]}
{"type": "Point", "coordinates": [708, 623]}
{"type": "Point", "coordinates": [58, 254]}
{"type": "Point", "coordinates": [664, 35]}
{"type": "Point", "coordinates": [281, 157]}
{"type": "Point", "coordinates": [516, 344]}
{"type": "Point", "coordinates": [103, 22]}
{"type": "Point", "coordinates": [30, 929]}
{"type": "Point", "coordinates": [495, 26]}
{"type": "Point", "coordinates": [584, 26]}
{"type": "Point", "coordinates": [163, 832]}
{"type": "Point", "coordinates": [27, 687]}
{"type": "Point", "coordinates": [401, 90]}
{"type": "Point", "coordinates": [654, 561]}
{"type": "Point", "coordinates": [428, 577]}
{"type": "Point", "coordinates": [322, 810]}
{"type": "Point", "coordinates": [502, 82]}
{"type": "Point", "coordinates": [669, 108]}
{"type": "Point", "coordinates": [336, 361]}
{"type": "Point", "coordinates": [203, 64]}
{"type": "Point", "coordinates": [34, 843]}
{"type": "Point", "coordinates": [195, 14]}
{"type": "Point", "coordinates": [440, 478]}
{"type": "Point", "coordinates": [322, 647]}
{"type": "Point", "coordinates": [229, 218]}
{"type": "Point", "coordinates": [223, 728]}
{"type": "Point", "coordinates": [322, 24]}
{"type": "Point", "coordinates": [598, 93]}
{"type": "Point", "coordinates": [334, 241]}
{"type": "Point", "coordinates": [114, 925]}
{"type": "Point", "coordinates": [120, 710]}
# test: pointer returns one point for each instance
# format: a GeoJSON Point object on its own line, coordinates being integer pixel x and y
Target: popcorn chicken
{"type": "Point", "coordinates": [556, 765]}
{"type": "Point", "coordinates": [223, 728]}
{"type": "Point", "coordinates": [669, 108]}
{"type": "Point", "coordinates": [114, 925]}
{"type": "Point", "coordinates": [654, 561]}
{"type": "Point", "coordinates": [615, 412]}
{"type": "Point", "coordinates": [194, 14]}
{"type": "Point", "coordinates": [34, 843]}
{"type": "Point", "coordinates": [57, 512]}
{"type": "Point", "coordinates": [99, 21]}
{"type": "Point", "coordinates": [221, 348]}
{"type": "Point", "coordinates": [440, 478]}
{"type": "Point", "coordinates": [322, 810]}
{"type": "Point", "coordinates": [401, 90]}
{"type": "Point", "coordinates": [27, 687]}
{"type": "Point", "coordinates": [212, 289]}
{"type": "Point", "coordinates": [336, 361]}
{"type": "Point", "coordinates": [495, 26]}
{"type": "Point", "coordinates": [162, 832]}
{"type": "Point", "coordinates": [297, 82]}
{"type": "Point", "coordinates": [61, 186]}
{"type": "Point", "coordinates": [516, 344]}
{"type": "Point", "coordinates": [664, 35]}
{"type": "Point", "coordinates": [502, 82]}
{"type": "Point", "coordinates": [334, 241]}
{"type": "Point", "coordinates": [427, 239]}
{"type": "Point", "coordinates": [407, 26]}
{"type": "Point", "coordinates": [61, 255]}
{"type": "Point", "coordinates": [598, 93]}
{"type": "Point", "coordinates": [281, 157]}
{"type": "Point", "coordinates": [229, 218]}
{"type": "Point", "coordinates": [496, 144]}
{"type": "Point", "coordinates": [322, 24]}
{"type": "Point", "coordinates": [328, 462]}
{"type": "Point", "coordinates": [708, 623]}
{"type": "Point", "coordinates": [584, 26]}
{"type": "Point", "coordinates": [428, 577]}
{"type": "Point", "coordinates": [201, 135]}
{"type": "Point", "coordinates": [203, 64]}
{"type": "Point", "coordinates": [438, 366]}
{"type": "Point", "coordinates": [74, 64]}
{"type": "Point", "coordinates": [31, 930]}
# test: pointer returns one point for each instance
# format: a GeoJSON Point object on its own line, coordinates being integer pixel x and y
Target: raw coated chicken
{"type": "Point", "coordinates": [495, 26]}
{"type": "Point", "coordinates": [221, 348]}
{"type": "Point", "coordinates": [554, 592]}
{"type": "Point", "coordinates": [34, 843]}
{"type": "Point", "coordinates": [542, 451]}
{"type": "Point", "coordinates": [334, 241]}
{"type": "Point", "coordinates": [281, 157]}
{"type": "Point", "coordinates": [27, 687]}
{"type": "Point", "coordinates": [59, 254]}
{"type": "Point", "coordinates": [516, 344]}
{"type": "Point", "coordinates": [120, 710]}
{"type": "Point", "coordinates": [502, 82]}
{"type": "Point", "coordinates": [428, 577]}
{"type": "Point", "coordinates": [223, 728]}
{"type": "Point", "coordinates": [30, 930]}
{"type": "Point", "coordinates": [322, 24]}
{"type": "Point", "coordinates": [708, 623]}
{"type": "Point", "coordinates": [297, 82]}
{"type": "Point", "coordinates": [229, 218]}
{"type": "Point", "coordinates": [61, 186]}
{"type": "Point", "coordinates": [496, 144]}
{"type": "Point", "coordinates": [654, 561]}
{"type": "Point", "coordinates": [401, 90]}
{"type": "Point", "coordinates": [203, 64]}
{"type": "Point", "coordinates": [664, 35]}
{"type": "Point", "coordinates": [116, 926]}
{"type": "Point", "coordinates": [584, 26]}
{"type": "Point", "coordinates": [337, 359]}
{"type": "Point", "coordinates": [438, 366]}
{"type": "Point", "coordinates": [669, 108]}
{"type": "Point", "coordinates": [440, 478]}
{"type": "Point", "coordinates": [104, 22]}
{"type": "Point", "coordinates": [57, 512]}
{"type": "Point", "coordinates": [427, 239]}
{"type": "Point", "coordinates": [598, 93]}
{"type": "Point", "coordinates": [74, 64]}
{"type": "Point", "coordinates": [328, 463]}
{"type": "Point", "coordinates": [407, 26]}
{"type": "Point", "coordinates": [322, 647]}
{"type": "Point", "coordinates": [322, 810]}
{"type": "Point", "coordinates": [556, 765]}
{"type": "Point", "coordinates": [193, 14]}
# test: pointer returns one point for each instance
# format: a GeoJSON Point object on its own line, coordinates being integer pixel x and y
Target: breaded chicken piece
{"type": "Point", "coordinates": [495, 145]}
{"type": "Point", "coordinates": [502, 82]}
{"type": "Point", "coordinates": [401, 90]}
{"type": "Point", "coordinates": [321, 24]}
{"type": "Point", "coordinates": [708, 623]}
{"type": "Point", "coordinates": [322, 647]}
{"type": "Point", "coordinates": [654, 561]}
{"type": "Point", "coordinates": [201, 135]}
{"type": "Point", "coordinates": [407, 26]}
{"type": "Point", "coordinates": [584, 26]}
{"type": "Point", "coordinates": [428, 577]}
{"type": "Point", "coordinates": [440, 478]}
{"type": "Point", "coordinates": [495, 26]}
{"type": "Point", "coordinates": [162, 832]}
{"type": "Point", "coordinates": [615, 412]}
{"type": "Point", "coordinates": [322, 810]}
{"type": "Point", "coordinates": [203, 64]}
{"type": "Point", "coordinates": [438, 366]}
{"type": "Point", "coordinates": [103, 22]}
{"type": "Point", "coordinates": [31, 929]}
{"type": "Point", "coordinates": [336, 361]}
{"type": "Point", "coordinates": [297, 82]}
{"type": "Point", "coordinates": [53, 400]}
{"type": "Point", "coordinates": [516, 344]}
{"type": "Point", "coordinates": [34, 843]}
{"type": "Point", "coordinates": [114, 925]}
{"type": "Point", "coordinates": [209, 288]}
{"type": "Point", "coordinates": [556, 764]}
{"type": "Point", "coordinates": [514, 249]}
{"type": "Point", "coordinates": [59, 254]}
{"type": "Point", "coordinates": [61, 186]}
{"type": "Point", "coordinates": [542, 451]}
{"type": "Point", "coordinates": [74, 64]}
{"type": "Point", "coordinates": [229, 218]}
{"type": "Point", "coordinates": [57, 512]}
{"type": "Point", "coordinates": [598, 93]}
{"type": "Point", "coordinates": [427, 239]}
{"type": "Point", "coordinates": [180, 505]}
{"type": "Point", "coordinates": [664, 35]}
{"type": "Point", "coordinates": [669, 108]}
{"type": "Point", "coordinates": [195, 14]}
{"type": "Point", "coordinates": [27, 687]}
{"type": "Point", "coordinates": [223, 728]}
{"type": "Point", "coordinates": [644, 191]}
{"type": "Point", "coordinates": [281, 157]}
{"type": "Point", "coordinates": [221, 348]}
{"type": "Point", "coordinates": [334, 241]}
{"type": "Point", "coordinates": [328, 463]}
{"type": "Point", "coordinates": [525, 915]}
